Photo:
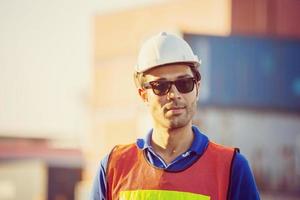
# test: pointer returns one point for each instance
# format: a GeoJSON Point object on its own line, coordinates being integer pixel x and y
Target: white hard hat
{"type": "Point", "coordinates": [163, 49]}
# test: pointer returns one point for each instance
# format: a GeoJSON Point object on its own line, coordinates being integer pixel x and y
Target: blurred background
{"type": "Point", "coordinates": [67, 95]}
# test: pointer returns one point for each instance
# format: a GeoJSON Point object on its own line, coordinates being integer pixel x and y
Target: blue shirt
{"type": "Point", "coordinates": [242, 184]}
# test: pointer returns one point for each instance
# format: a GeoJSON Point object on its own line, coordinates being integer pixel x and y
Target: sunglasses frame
{"type": "Point", "coordinates": [149, 85]}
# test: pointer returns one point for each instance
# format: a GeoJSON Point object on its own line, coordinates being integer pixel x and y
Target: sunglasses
{"type": "Point", "coordinates": [162, 87]}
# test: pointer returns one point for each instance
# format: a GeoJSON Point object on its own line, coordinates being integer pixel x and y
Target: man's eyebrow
{"type": "Point", "coordinates": [160, 79]}
{"type": "Point", "coordinates": [184, 76]}
{"type": "Point", "coordinates": [178, 77]}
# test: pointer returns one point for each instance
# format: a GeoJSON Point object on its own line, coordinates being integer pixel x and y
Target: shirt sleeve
{"type": "Point", "coordinates": [243, 185]}
{"type": "Point", "coordinates": [98, 191]}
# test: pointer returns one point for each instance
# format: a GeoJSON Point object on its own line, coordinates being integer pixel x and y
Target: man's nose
{"type": "Point", "coordinates": [173, 93]}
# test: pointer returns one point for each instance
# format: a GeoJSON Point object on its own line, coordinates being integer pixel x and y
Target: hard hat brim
{"type": "Point", "coordinates": [195, 64]}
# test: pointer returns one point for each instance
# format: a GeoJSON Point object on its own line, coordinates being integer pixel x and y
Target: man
{"type": "Point", "coordinates": [175, 160]}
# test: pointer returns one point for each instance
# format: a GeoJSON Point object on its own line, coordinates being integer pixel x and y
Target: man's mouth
{"type": "Point", "coordinates": [175, 110]}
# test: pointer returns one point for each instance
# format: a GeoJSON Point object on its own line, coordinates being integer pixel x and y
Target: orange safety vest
{"type": "Point", "coordinates": [131, 176]}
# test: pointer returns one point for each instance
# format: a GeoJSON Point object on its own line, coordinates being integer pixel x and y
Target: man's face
{"type": "Point", "coordinates": [174, 109]}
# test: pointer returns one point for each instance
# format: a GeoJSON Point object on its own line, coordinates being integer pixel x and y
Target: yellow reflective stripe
{"type": "Point", "coordinates": [160, 194]}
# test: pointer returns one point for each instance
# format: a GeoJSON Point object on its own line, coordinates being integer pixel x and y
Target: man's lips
{"type": "Point", "coordinates": [175, 110]}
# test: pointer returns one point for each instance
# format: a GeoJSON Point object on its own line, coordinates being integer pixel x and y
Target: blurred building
{"type": "Point", "coordinates": [33, 168]}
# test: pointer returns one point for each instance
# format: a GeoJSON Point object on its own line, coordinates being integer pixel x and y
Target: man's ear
{"type": "Point", "coordinates": [198, 89]}
{"type": "Point", "coordinates": [143, 94]}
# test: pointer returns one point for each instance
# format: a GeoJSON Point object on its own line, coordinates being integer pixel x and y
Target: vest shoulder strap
{"type": "Point", "coordinates": [121, 154]}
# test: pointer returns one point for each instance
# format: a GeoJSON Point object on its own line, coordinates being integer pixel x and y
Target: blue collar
{"type": "Point", "coordinates": [198, 146]}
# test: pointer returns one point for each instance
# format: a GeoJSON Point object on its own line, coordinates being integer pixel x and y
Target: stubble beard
{"type": "Point", "coordinates": [178, 121]}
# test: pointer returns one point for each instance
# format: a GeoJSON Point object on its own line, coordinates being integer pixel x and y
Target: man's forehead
{"type": "Point", "coordinates": [171, 78]}
{"type": "Point", "coordinates": [169, 72]}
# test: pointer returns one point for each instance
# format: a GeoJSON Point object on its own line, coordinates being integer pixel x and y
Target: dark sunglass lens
{"type": "Point", "coordinates": [160, 87]}
{"type": "Point", "coordinates": [185, 85]}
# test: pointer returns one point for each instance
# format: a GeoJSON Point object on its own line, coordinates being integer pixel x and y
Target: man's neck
{"type": "Point", "coordinates": [171, 143]}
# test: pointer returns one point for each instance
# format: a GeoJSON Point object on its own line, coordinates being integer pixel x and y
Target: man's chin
{"type": "Point", "coordinates": [176, 123]}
